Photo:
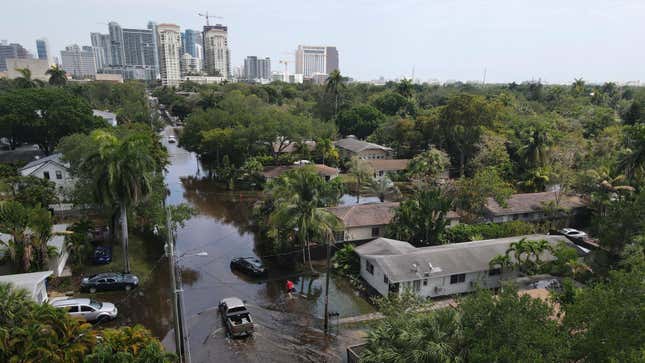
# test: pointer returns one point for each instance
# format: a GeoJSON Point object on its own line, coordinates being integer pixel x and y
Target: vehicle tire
{"type": "Point", "coordinates": [102, 319]}
{"type": "Point", "coordinates": [128, 287]}
{"type": "Point", "coordinates": [92, 290]}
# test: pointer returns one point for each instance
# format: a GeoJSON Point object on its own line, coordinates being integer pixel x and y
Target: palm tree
{"type": "Point", "coordinates": [633, 160]}
{"type": "Point", "coordinates": [520, 251]}
{"type": "Point", "coordinates": [57, 75]}
{"type": "Point", "coordinates": [361, 171]}
{"type": "Point", "coordinates": [122, 171]}
{"type": "Point", "coordinates": [578, 86]}
{"type": "Point", "coordinates": [502, 262]}
{"type": "Point", "coordinates": [25, 80]}
{"type": "Point", "coordinates": [40, 223]}
{"type": "Point", "coordinates": [14, 220]}
{"type": "Point", "coordinates": [325, 147]}
{"type": "Point", "coordinates": [405, 88]}
{"type": "Point", "coordinates": [298, 209]}
{"type": "Point", "coordinates": [534, 151]}
{"type": "Point", "coordinates": [334, 84]}
{"type": "Point", "coordinates": [381, 188]}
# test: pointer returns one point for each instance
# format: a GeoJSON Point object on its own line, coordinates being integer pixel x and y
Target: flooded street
{"type": "Point", "coordinates": [286, 329]}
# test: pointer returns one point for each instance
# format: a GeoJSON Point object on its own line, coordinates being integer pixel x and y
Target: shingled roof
{"type": "Point", "coordinates": [388, 164]}
{"type": "Point", "coordinates": [355, 145]}
{"type": "Point", "coordinates": [368, 214]}
{"type": "Point", "coordinates": [533, 202]}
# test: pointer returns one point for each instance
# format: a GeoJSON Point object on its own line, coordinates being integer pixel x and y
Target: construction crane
{"type": "Point", "coordinates": [205, 15]}
{"type": "Point", "coordinates": [285, 76]}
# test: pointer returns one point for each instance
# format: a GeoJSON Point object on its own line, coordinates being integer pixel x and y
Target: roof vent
{"type": "Point", "coordinates": [414, 267]}
{"type": "Point", "coordinates": [433, 269]}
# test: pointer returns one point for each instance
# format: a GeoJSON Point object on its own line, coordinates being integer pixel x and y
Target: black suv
{"type": "Point", "coordinates": [109, 281]}
{"type": "Point", "coordinates": [249, 265]}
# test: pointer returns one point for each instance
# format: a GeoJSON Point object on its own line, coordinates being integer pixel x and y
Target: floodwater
{"type": "Point", "coordinates": [287, 329]}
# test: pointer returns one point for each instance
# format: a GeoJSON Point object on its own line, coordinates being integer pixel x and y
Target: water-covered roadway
{"type": "Point", "coordinates": [287, 330]}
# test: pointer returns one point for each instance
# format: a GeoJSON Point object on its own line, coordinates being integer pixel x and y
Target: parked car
{"type": "Point", "coordinates": [172, 139]}
{"type": "Point", "coordinates": [549, 284]}
{"type": "Point", "coordinates": [573, 233]}
{"type": "Point", "coordinates": [87, 309]}
{"type": "Point", "coordinates": [109, 281]}
{"type": "Point", "coordinates": [249, 265]}
{"type": "Point", "coordinates": [102, 255]}
{"type": "Point", "coordinates": [237, 318]}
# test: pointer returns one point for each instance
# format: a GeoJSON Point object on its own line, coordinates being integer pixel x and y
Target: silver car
{"type": "Point", "coordinates": [87, 309]}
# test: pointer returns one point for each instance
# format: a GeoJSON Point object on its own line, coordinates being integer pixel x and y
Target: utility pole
{"type": "Point", "coordinates": [327, 286]}
{"type": "Point", "coordinates": [170, 248]}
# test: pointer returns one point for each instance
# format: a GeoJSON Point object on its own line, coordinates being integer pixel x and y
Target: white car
{"type": "Point", "coordinates": [172, 139]}
{"type": "Point", "coordinates": [574, 233]}
{"type": "Point", "coordinates": [87, 309]}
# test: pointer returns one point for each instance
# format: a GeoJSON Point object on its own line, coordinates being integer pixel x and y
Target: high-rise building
{"type": "Point", "coordinates": [102, 50]}
{"type": "Point", "coordinates": [155, 38]}
{"type": "Point", "coordinates": [217, 57]}
{"type": "Point", "coordinates": [79, 62]}
{"type": "Point", "coordinates": [191, 39]}
{"type": "Point", "coordinates": [12, 50]}
{"type": "Point", "coordinates": [311, 60]}
{"type": "Point", "coordinates": [117, 50]}
{"type": "Point", "coordinates": [42, 47]}
{"type": "Point", "coordinates": [169, 47]}
{"type": "Point", "coordinates": [257, 68]}
{"type": "Point", "coordinates": [190, 65]}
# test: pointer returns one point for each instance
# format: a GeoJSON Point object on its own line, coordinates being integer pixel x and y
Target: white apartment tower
{"type": "Point", "coordinates": [217, 57]}
{"type": "Point", "coordinates": [316, 60]}
{"type": "Point", "coordinates": [169, 36]}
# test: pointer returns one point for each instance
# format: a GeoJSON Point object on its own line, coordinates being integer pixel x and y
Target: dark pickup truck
{"type": "Point", "coordinates": [237, 318]}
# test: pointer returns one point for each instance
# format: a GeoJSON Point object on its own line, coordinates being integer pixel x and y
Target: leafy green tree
{"type": "Point", "coordinates": [14, 220]}
{"type": "Point", "coordinates": [57, 75]}
{"type": "Point", "coordinates": [472, 193]}
{"type": "Point", "coordinates": [327, 151]}
{"type": "Point", "coordinates": [360, 121]}
{"type": "Point", "coordinates": [25, 79]}
{"type": "Point", "coordinates": [389, 103]}
{"type": "Point", "coordinates": [632, 163]}
{"type": "Point", "coordinates": [32, 191]}
{"type": "Point", "coordinates": [634, 113]}
{"type": "Point", "coordinates": [578, 87]}
{"type": "Point", "coordinates": [405, 88]}
{"type": "Point", "coordinates": [492, 152]}
{"type": "Point", "coordinates": [510, 328]}
{"type": "Point", "coordinates": [428, 166]}
{"type": "Point", "coordinates": [421, 220]}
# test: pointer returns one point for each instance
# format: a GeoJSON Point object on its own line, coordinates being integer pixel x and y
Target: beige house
{"type": "Point", "coordinates": [326, 172]}
{"type": "Point", "coordinates": [383, 166]}
{"type": "Point", "coordinates": [363, 221]}
{"type": "Point", "coordinates": [532, 207]}
{"type": "Point", "coordinates": [351, 146]}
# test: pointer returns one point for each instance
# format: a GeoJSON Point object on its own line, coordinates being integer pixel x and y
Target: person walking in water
{"type": "Point", "coordinates": [290, 287]}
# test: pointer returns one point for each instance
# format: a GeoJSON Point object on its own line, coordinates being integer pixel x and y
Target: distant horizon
{"type": "Point", "coordinates": [552, 41]}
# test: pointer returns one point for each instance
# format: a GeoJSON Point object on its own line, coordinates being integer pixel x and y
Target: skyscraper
{"type": "Point", "coordinates": [169, 48]}
{"type": "Point", "coordinates": [117, 51]}
{"type": "Point", "coordinates": [139, 50]}
{"type": "Point", "coordinates": [12, 50]}
{"type": "Point", "coordinates": [311, 60]}
{"type": "Point", "coordinates": [79, 62]}
{"type": "Point", "coordinates": [192, 38]}
{"type": "Point", "coordinates": [42, 47]}
{"type": "Point", "coordinates": [217, 57]}
{"type": "Point", "coordinates": [155, 38]}
{"type": "Point", "coordinates": [102, 49]}
{"type": "Point", "coordinates": [257, 68]}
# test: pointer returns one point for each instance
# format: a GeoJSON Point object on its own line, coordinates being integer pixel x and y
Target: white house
{"type": "Point", "coordinates": [53, 169]}
{"type": "Point", "coordinates": [110, 117]}
{"type": "Point", "coordinates": [532, 207]}
{"type": "Point", "coordinates": [392, 266]}
{"type": "Point", "coordinates": [33, 283]}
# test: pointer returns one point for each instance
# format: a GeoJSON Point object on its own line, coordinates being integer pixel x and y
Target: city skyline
{"type": "Point", "coordinates": [446, 41]}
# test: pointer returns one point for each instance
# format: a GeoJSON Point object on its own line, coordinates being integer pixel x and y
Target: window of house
{"type": "Point", "coordinates": [457, 279]}
{"type": "Point", "coordinates": [369, 267]}
{"type": "Point", "coordinates": [339, 236]}
{"type": "Point", "coordinates": [376, 231]}
{"type": "Point", "coordinates": [495, 272]}
{"type": "Point", "coordinates": [416, 285]}
{"type": "Point", "coordinates": [59, 174]}
{"type": "Point", "coordinates": [46, 175]}
{"type": "Point", "coordinates": [425, 282]}
{"type": "Point", "coordinates": [385, 279]}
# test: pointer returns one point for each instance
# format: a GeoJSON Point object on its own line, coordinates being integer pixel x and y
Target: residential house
{"type": "Point", "coordinates": [533, 207]}
{"type": "Point", "coordinates": [55, 263]}
{"type": "Point", "coordinates": [34, 283]}
{"type": "Point", "coordinates": [326, 172]}
{"type": "Point", "coordinates": [391, 266]}
{"type": "Point", "coordinates": [351, 146]}
{"type": "Point", "coordinates": [364, 222]}
{"type": "Point", "coordinates": [109, 117]}
{"type": "Point", "coordinates": [288, 147]}
{"type": "Point", "coordinates": [53, 169]}
{"type": "Point", "coordinates": [384, 166]}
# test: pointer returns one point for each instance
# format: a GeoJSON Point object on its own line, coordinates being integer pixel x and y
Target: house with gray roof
{"type": "Point", "coordinates": [33, 283]}
{"type": "Point", "coordinates": [352, 146]}
{"type": "Point", "coordinates": [391, 266]}
{"type": "Point", "coordinates": [51, 168]}
{"type": "Point", "coordinates": [532, 207]}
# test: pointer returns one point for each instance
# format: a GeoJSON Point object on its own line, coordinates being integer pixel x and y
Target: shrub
{"type": "Point", "coordinates": [473, 232]}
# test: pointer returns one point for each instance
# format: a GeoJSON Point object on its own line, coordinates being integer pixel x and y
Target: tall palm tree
{"type": "Point", "coordinates": [57, 75]}
{"type": "Point", "coordinates": [334, 84]}
{"type": "Point", "coordinates": [122, 171]}
{"type": "Point", "coordinates": [578, 86]}
{"type": "Point", "coordinates": [633, 161]}
{"type": "Point", "coordinates": [381, 188]}
{"type": "Point", "coordinates": [26, 81]}
{"type": "Point", "coordinates": [405, 88]}
{"type": "Point", "coordinates": [40, 223]}
{"type": "Point", "coordinates": [299, 209]}
{"type": "Point", "coordinates": [361, 171]}
{"type": "Point", "coordinates": [534, 150]}
{"type": "Point", "coordinates": [14, 220]}
{"type": "Point", "coordinates": [520, 251]}
{"type": "Point", "coordinates": [502, 262]}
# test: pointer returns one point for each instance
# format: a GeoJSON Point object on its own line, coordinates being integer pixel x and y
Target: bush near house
{"type": "Point", "coordinates": [473, 232]}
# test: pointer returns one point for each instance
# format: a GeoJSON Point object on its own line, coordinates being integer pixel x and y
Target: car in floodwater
{"type": "Point", "coordinates": [237, 319]}
{"type": "Point", "coordinates": [86, 309]}
{"type": "Point", "coordinates": [102, 255]}
{"type": "Point", "coordinates": [109, 281]}
{"type": "Point", "coordinates": [249, 265]}
{"type": "Point", "coordinates": [172, 139]}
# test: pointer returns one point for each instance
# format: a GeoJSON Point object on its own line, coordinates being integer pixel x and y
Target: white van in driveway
{"type": "Point", "coordinates": [86, 309]}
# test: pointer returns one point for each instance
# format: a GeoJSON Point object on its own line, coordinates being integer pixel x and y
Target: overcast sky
{"type": "Point", "coordinates": [515, 40]}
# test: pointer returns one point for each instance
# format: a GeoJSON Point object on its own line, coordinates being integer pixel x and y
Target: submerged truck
{"type": "Point", "coordinates": [236, 317]}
